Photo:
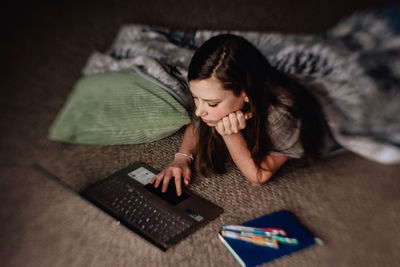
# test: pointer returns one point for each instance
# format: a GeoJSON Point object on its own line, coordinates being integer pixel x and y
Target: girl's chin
{"type": "Point", "coordinates": [210, 124]}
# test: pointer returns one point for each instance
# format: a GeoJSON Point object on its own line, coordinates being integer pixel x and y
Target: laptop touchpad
{"type": "Point", "coordinates": [170, 195]}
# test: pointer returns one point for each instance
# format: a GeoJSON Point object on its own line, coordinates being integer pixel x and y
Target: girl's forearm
{"type": "Point", "coordinates": [189, 140]}
{"type": "Point", "coordinates": [241, 156]}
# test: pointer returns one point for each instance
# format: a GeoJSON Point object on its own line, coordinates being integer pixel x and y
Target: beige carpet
{"type": "Point", "coordinates": [351, 203]}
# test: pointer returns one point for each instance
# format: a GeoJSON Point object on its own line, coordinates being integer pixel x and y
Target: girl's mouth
{"type": "Point", "coordinates": [208, 121]}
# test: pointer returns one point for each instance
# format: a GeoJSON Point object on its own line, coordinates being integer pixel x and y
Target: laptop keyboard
{"type": "Point", "coordinates": [135, 207]}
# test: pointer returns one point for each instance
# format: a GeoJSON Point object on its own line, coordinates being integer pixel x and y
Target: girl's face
{"type": "Point", "coordinates": [214, 102]}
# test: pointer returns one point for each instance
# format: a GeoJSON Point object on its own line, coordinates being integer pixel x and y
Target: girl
{"type": "Point", "coordinates": [245, 112]}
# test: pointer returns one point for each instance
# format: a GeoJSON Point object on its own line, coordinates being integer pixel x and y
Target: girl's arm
{"type": "Point", "coordinates": [180, 166]}
{"type": "Point", "coordinates": [189, 140]}
{"type": "Point", "coordinates": [242, 157]}
{"type": "Point", "coordinates": [229, 128]}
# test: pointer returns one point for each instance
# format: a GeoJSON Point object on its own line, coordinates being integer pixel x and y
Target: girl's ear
{"type": "Point", "coordinates": [245, 97]}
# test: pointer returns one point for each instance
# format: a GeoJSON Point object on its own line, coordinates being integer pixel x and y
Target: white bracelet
{"type": "Point", "coordinates": [184, 154]}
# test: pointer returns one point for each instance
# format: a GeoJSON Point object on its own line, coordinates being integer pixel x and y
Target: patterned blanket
{"type": "Point", "coordinates": [352, 68]}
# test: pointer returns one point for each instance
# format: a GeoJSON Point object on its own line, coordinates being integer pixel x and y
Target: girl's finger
{"type": "Point", "coordinates": [248, 115]}
{"type": "Point", "coordinates": [187, 175]}
{"type": "Point", "coordinates": [234, 122]}
{"type": "Point", "coordinates": [227, 125]}
{"type": "Point", "coordinates": [164, 176]}
{"type": "Point", "coordinates": [156, 177]}
{"type": "Point", "coordinates": [220, 128]}
{"type": "Point", "coordinates": [165, 183]}
{"type": "Point", "coordinates": [241, 119]}
{"type": "Point", "coordinates": [177, 177]}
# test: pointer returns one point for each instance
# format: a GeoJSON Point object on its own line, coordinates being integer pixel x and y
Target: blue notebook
{"type": "Point", "coordinates": [248, 254]}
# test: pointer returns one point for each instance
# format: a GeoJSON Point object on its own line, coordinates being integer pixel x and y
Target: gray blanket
{"type": "Point", "coordinates": [353, 69]}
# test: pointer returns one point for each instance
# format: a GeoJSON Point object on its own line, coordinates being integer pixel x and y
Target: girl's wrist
{"type": "Point", "coordinates": [184, 155]}
{"type": "Point", "coordinates": [232, 136]}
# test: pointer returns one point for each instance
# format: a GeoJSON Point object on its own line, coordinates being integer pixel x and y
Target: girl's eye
{"type": "Point", "coordinates": [212, 105]}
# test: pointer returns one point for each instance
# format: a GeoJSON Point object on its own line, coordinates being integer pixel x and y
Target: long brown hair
{"type": "Point", "coordinates": [240, 66]}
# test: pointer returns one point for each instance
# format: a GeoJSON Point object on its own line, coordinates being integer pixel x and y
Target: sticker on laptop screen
{"type": "Point", "coordinates": [142, 175]}
{"type": "Point", "coordinates": [193, 215]}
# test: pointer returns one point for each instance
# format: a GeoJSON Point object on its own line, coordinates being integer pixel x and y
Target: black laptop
{"type": "Point", "coordinates": [162, 218]}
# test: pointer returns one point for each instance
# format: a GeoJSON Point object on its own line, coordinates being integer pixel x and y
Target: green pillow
{"type": "Point", "coordinates": [117, 108]}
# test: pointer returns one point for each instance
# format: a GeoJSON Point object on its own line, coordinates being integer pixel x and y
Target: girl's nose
{"type": "Point", "coordinates": [200, 112]}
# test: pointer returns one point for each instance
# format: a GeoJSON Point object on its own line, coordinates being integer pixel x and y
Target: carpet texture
{"type": "Point", "coordinates": [351, 203]}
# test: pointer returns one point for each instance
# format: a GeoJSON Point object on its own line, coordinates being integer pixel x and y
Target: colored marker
{"type": "Point", "coordinates": [281, 239]}
{"type": "Point", "coordinates": [275, 231]}
{"type": "Point", "coordinates": [285, 240]}
{"type": "Point", "coordinates": [256, 240]}
{"type": "Point", "coordinates": [255, 230]}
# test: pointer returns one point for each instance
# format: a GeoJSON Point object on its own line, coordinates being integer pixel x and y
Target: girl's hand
{"type": "Point", "coordinates": [179, 168]}
{"type": "Point", "coordinates": [232, 123]}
